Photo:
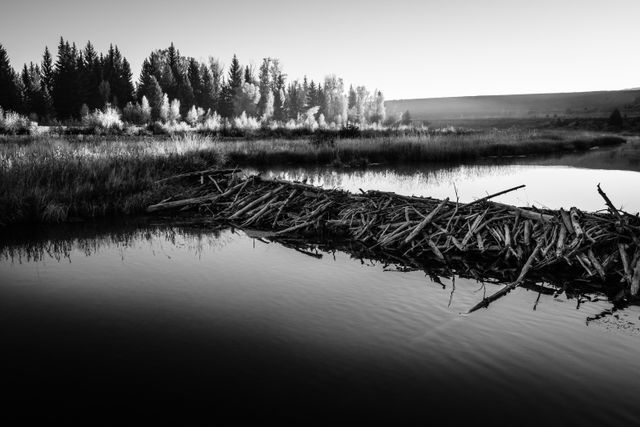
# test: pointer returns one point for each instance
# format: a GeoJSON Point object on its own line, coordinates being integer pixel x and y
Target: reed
{"type": "Point", "coordinates": [45, 179]}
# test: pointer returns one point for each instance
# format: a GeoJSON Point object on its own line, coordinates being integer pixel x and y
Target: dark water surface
{"type": "Point", "coordinates": [138, 323]}
{"type": "Point", "coordinates": [99, 322]}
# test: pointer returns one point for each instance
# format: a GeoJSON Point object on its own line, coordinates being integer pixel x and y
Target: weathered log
{"type": "Point", "coordinates": [412, 227]}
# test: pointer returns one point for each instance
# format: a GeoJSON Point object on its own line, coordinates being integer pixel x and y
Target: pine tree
{"type": "Point", "coordinates": [46, 69]}
{"type": "Point", "coordinates": [278, 80]}
{"type": "Point", "coordinates": [151, 90]}
{"type": "Point", "coordinates": [305, 91]}
{"type": "Point", "coordinates": [66, 94]}
{"type": "Point", "coordinates": [312, 95]}
{"type": "Point", "coordinates": [235, 73]}
{"type": "Point", "coordinates": [196, 82]}
{"type": "Point", "coordinates": [352, 97]}
{"type": "Point", "coordinates": [171, 75]}
{"type": "Point", "coordinates": [46, 77]}
{"type": "Point", "coordinates": [209, 94]}
{"type": "Point", "coordinates": [615, 119]}
{"type": "Point", "coordinates": [126, 83]}
{"type": "Point", "coordinates": [92, 70]}
{"type": "Point", "coordinates": [405, 119]}
{"type": "Point", "coordinates": [231, 88]}
{"type": "Point", "coordinates": [216, 82]}
{"type": "Point", "coordinates": [9, 88]}
{"type": "Point", "coordinates": [291, 101]}
{"type": "Point", "coordinates": [248, 75]}
{"type": "Point", "coordinates": [264, 83]}
{"type": "Point", "coordinates": [33, 96]}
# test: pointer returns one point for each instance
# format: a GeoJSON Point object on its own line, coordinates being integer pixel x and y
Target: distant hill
{"type": "Point", "coordinates": [582, 104]}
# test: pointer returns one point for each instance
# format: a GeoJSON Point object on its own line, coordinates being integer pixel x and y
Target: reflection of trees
{"type": "Point", "coordinates": [58, 243]}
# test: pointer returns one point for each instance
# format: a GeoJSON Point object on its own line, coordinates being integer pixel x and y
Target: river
{"type": "Point", "coordinates": [169, 321]}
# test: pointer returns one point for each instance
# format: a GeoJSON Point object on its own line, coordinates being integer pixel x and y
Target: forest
{"type": "Point", "coordinates": [173, 92]}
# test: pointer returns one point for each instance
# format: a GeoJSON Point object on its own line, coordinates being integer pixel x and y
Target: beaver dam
{"type": "Point", "coordinates": [483, 238]}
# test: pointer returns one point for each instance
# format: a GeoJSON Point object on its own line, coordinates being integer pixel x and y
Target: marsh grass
{"type": "Point", "coordinates": [446, 148]}
{"type": "Point", "coordinates": [53, 180]}
{"type": "Point", "coordinates": [44, 179]}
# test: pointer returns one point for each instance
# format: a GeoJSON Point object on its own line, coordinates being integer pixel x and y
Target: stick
{"type": "Point", "coordinates": [488, 300]}
{"type": "Point", "coordinates": [609, 204]}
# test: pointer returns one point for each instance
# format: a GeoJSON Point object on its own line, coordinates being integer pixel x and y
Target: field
{"type": "Point", "coordinates": [564, 105]}
{"type": "Point", "coordinates": [51, 179]}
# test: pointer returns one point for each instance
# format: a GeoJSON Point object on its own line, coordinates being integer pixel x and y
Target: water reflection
{"type": "Point", "coordinates": [137, 240]}
{"type": "Point", "coordinates": [552, 182]}
{"type": "Point", "coordinates": [162, 317]}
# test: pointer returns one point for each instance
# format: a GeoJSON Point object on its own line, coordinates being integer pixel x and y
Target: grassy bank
{"type": "Point", "coordinates": [443, 147]}
{"type": "Point", "coordinates": [51, 179]}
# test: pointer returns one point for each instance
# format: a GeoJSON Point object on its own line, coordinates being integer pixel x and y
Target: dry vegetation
{"type": "Point", "coordinates": [46, 179]}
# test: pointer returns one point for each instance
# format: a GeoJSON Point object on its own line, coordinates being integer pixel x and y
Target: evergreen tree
{"type": "Point", "coordinates": [209, 93]}
{"type": "Point", "coordinates": [295, 100]}
{"type": "Point", "coordinates": [352, 97]}
{"type": "Point", "coordinates": [196, 81]}
{"type": "Point", "coordinates": [305, 90]}
{"type": "Point", "coordinates": [322, 101]}
{"type": "Point", "coordinates": [92, 71]}
{"type": "Point", "coordinates": [231, 88]}
{"type": "Point", "coordinates": [46, 76]}
{"type": "Point", "coordinates": [615, 119]}
{"type": "Point", "coordinates": [405, 118]}
{"type": "Point", "coordinates": [150, 89]}
{"type": "Point", "coordinates": [312, 95]}
{"type": "Point", "coordinates": [127, 90]}
{"type": "Point", "coordinates": [216, 82]}
{"type": "Point", "coordinates": [33, 96]}
{"type": "Point", "coordinates": [264, 83]}
{"type": "Point", "coordinates": [248, 75]}
{"type": "Point", "coordinates": [66, 92]}
{"type": "Point", "coordinates": [46, 68]}
{"type": "Point", "coordinates": [173, 72]}
{"type": "Point", "coordinates": [117, 72]}
{"type": "Point", "coordinates": [9, 87]}
{"type": "Point", "coordinates": [278, 80]}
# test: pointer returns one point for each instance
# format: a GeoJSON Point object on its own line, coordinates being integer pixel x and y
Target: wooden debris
{"type": "Point", "coordinates": [592, 247]}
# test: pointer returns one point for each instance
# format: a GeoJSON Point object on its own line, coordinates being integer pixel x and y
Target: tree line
{"type": "Point", "coordinates": [171, 86]}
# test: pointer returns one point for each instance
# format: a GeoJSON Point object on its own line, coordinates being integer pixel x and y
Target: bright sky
{"type": "Point", "coordinates": [408, 48]}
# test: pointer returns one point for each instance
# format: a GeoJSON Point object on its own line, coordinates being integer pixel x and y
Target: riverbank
{"type": "Point", "coordinates": [64, 179]}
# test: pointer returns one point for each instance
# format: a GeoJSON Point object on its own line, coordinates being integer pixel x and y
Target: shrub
{"type": "Point", "coordinates": [212, 123]}
{"type": "Point", "coordinates": [615, 119]}
{"type": "Point", "coordinates": [171, 128]}
{"type": "Point", "coordinates": [139, 114]}
{"type": "Point", "coordinates": [174, 111]}
{"type": "Point", "coordinates": [106, 120]}
{"type": "Point", "coordinates": [14, 123]}
{"type": "Point", "coordinates": [195, 115]}
{"type": "Point", "coordinates": [246, 123]}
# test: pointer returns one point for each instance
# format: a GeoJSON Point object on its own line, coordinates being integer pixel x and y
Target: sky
{"type": "Point", "coordinates": [408, 49]}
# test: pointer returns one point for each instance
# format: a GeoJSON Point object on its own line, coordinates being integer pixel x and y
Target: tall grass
{"type": "Point", "coordinates": [52, 179]}
{"type": "Point", "coordinates": [439, 147]}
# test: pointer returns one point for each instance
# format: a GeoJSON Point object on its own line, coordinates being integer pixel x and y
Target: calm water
{"type": "Point", "coordinates": [551, 182]}
{"type": "Point", "coordinates": [168, 322]}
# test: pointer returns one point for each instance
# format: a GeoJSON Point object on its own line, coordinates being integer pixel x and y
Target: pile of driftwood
{"type": "Point", "coordinates": [598, 248]}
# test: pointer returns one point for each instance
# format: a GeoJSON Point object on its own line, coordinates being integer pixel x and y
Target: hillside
{"type": "Point", "coordinates": [582, 104]}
